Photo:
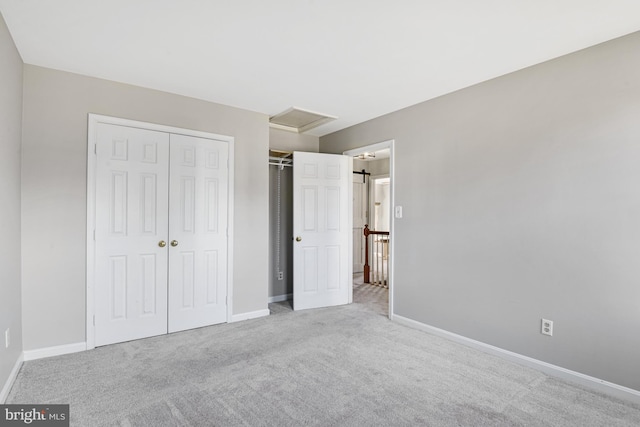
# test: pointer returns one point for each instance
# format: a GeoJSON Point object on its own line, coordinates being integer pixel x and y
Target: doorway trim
{"type": "Point", "coordinates": [390, 144]}
{"type": "Point", "coordinates": [92, 126]}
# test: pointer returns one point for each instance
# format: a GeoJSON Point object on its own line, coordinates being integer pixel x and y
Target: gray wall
{"type": "Point", "coordinates": [10, 136]}
{"type": "Point", "coordinates": [521, 200]}
{"type": "Point", "coordinates": [56, 105]}
{"type": "Point", "coordinates": [291, 141]}
{"type": "Point", "coordinates": [285, 141]}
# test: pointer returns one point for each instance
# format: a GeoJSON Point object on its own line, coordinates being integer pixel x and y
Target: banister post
{"type": "Point", "coordinates": [367, 278]}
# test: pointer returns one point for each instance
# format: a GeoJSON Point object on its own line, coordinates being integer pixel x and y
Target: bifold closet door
{"type": "Point", "coordinates": [161, 233]}
{"type": "Point", "coordinates": [132, 183]}
{"type": "Point", "coordinates": [198, 232]}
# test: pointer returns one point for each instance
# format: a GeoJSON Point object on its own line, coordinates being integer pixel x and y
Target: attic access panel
{"type": "Point", "coordinates": [298, 120]}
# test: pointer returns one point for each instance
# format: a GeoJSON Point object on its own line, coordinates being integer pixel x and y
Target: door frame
{"type": "Point", "coordinates": [92, 125]}
{"type": "Point", "coordinates": [390, 144]}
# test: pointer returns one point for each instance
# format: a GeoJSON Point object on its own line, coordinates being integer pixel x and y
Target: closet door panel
{"type": "Point", "coordinates": [198, 232]}
{"type": "Point", "coordinates": [132, 184]}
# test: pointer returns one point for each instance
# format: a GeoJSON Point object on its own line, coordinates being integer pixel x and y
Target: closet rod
{"type": "Point", "coordinates": [280, 164]}
{"type": "Point", "coordinates": [281, 161]}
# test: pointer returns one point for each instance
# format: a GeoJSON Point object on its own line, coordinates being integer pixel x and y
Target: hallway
{"type": "Point", "coordinates": [374, 298]}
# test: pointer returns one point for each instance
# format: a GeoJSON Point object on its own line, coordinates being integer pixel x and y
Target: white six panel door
{"type": "Point", "coordinates": [322, 257]}
{"type": "Point", "coordinates": [198, 232]}
{"type": "Point", "coordinates": [160, 233]}
{"type": "Point", "coordinates": [131, 219]}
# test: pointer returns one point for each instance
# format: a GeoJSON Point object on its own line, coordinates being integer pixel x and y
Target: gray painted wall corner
{"type": "Point", "coordinates": [10, 276]}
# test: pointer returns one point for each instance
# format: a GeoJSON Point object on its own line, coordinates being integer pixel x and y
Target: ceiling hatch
{"type": "Point", "coordinates": [298, 120]}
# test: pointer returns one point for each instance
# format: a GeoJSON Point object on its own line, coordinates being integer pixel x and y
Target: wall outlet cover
{"type": "Point", "coordinates": [546, 327]}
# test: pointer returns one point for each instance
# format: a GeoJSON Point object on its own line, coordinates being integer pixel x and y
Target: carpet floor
{"type": "Point", "coordinates": [339, 366]}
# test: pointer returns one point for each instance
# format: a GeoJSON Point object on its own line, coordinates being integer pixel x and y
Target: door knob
{"type": "Point", "coordinates": [162, 243]}
{"type": "Point", "coordinates": [298, 239]}
{"type": "Point", "coordinates": [174, 243]}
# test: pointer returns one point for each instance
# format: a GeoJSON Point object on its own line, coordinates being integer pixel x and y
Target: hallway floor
{"type": "Point", "coordinates": [374, 298]}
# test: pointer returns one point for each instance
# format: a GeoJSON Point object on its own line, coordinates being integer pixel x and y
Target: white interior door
{"type": "Point", "coordinates": [131, 224]}
{"type": "Point", "coordinates": [198, 232]}
{"type": "Point", "coordinates": [322, 230]}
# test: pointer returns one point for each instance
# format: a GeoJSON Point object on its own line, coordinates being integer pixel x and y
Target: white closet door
{"type": "Point", "coordinates": [322, 226]}
{"type": "Point", "coordinates": [198, 232]}
{"type": "Point", "coordinates": [131, 222]}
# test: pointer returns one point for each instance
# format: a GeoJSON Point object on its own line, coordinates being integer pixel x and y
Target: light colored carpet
{"type": "Point", "coordinates": [341, 366]}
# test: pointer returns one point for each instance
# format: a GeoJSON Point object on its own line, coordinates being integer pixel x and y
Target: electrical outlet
{"type": "Point", "coordinates": [546, 327]}
{"type": "Point", "coordinates": [7, 338]}
{"type": "Point", "coordinates": [280, 275]}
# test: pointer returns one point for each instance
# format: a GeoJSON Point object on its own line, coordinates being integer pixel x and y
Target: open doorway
{"type": "Point", "coordinates": [373, 225]}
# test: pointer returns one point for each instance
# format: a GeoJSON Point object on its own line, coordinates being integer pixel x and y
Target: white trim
{"type": "Point", "coordinates": [230, 225]}
{"type": "Point", "coordinates": [593, 383]}
{"type": "Point", "coordinates": [283, 127]}
{"type": "Point", "coordinates": [91, 222]}
{"type": "Point", "coordinates": [93, 121]}
{"type": "Point", "coordinates": [280, 298]}
{"type": "Point", "coordinates": [58, 350]}
{"type": "Point", "coordinates": [350, 230]}
{"type": "Point", "coordinates": [250, 315]}
{"type": "Point", "coordinates": [12, 378]}
{"type": "Point", "coordinates": [390, 144]}
{"type": "Point", "coordinates": [370, 148]}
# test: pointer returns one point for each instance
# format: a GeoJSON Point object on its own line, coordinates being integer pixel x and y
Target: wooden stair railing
{"type": "Point", "coordinates": [381, 262]}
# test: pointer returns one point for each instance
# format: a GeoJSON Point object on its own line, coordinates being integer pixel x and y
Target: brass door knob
{"type": "Point", "coordinates": [298, 239]}
{"type": "Point", "coordinates": [174, 243]}
{"type": "Point", "coordinates": [162, 243]}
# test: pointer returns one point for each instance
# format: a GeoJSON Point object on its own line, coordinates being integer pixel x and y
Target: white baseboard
{"type": "Point", "coordinates": [593, 383]}
{"type": "Point", "coordinates": [280, 298]}
{"type": "Point", "coordinates": [12, 378]}
{"type": "Point", "coordinates": [250, 315]}
{"type": "Point", "coordinates": [41, 353]}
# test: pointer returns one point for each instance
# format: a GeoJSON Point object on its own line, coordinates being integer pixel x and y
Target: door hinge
{"type": "Point", "coordinates": [94, 234]}
{"type": "Point", "coordinates": [95, 148]}
{"type": "Point", "coordinates": [94, 320]}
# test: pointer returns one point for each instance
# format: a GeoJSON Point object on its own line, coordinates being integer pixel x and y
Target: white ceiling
{"type": "Point", "coordinates": [355, 59]}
